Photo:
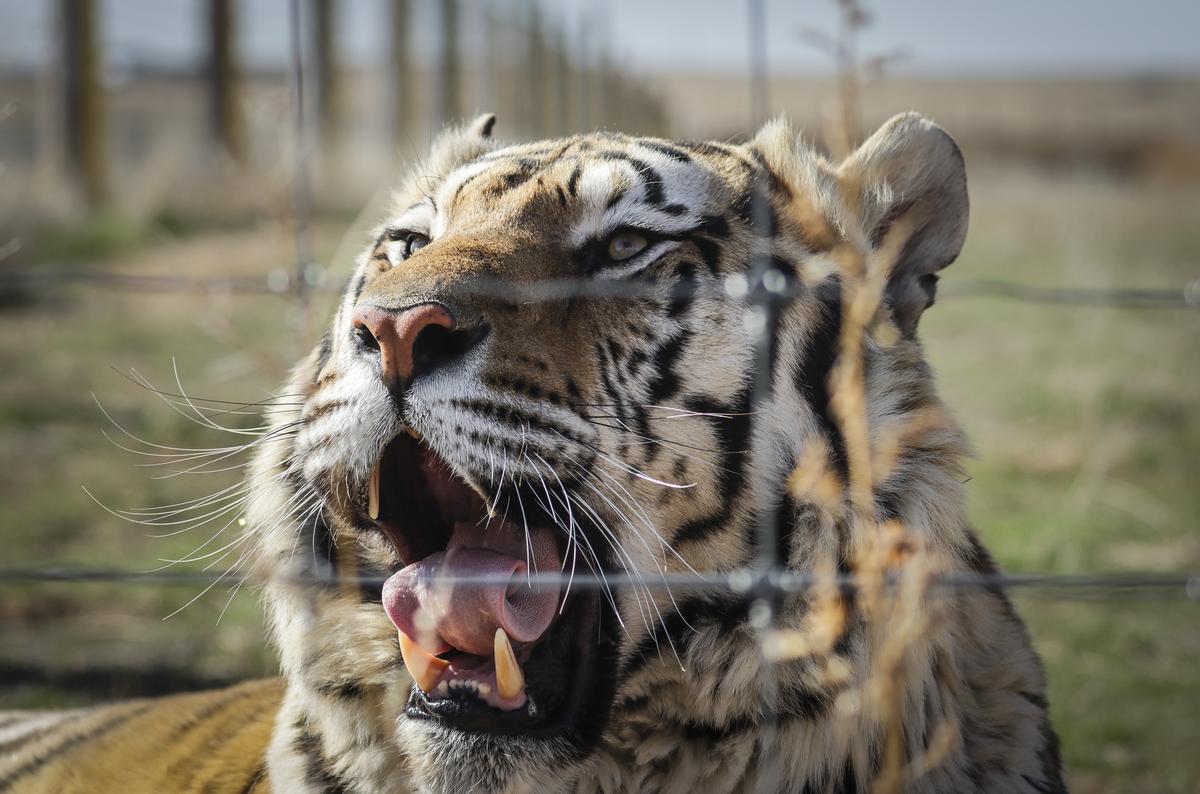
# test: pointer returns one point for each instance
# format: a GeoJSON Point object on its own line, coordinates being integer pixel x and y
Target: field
{"type": "Point", "coordinates": [1084, 422]}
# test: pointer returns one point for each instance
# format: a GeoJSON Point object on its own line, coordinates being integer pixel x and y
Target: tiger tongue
{"type": "Point", "coordinates": [465, 615]}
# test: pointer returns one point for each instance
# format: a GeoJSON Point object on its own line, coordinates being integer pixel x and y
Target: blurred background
{"type": "Point", "coordinates": [183, 185]}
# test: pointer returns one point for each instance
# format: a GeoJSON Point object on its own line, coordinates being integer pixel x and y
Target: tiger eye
{"type": "Point", "coordinates": [413, 243]}
{"type": "Point", "coordinates": [625, 245]}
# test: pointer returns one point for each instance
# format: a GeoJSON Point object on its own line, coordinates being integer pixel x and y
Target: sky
{"type": "Point", "coordinates": [941, 37]}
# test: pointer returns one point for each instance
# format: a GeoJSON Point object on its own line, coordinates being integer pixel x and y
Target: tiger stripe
{"type": "Point", "coordinates": [211, 741]}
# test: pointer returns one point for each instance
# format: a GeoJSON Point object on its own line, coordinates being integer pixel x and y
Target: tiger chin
{"type": "Point", "coordinates": [462, 420]}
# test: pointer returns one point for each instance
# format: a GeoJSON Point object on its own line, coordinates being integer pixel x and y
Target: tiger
{"type": "Point", "coordinates": [538, 417]}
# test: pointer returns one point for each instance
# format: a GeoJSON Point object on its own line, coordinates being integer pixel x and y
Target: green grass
{"type": "Point", "coordinates": [107, 234]}
{"type": "Point", "coordinates": [56, 354]}
{"type": "Point", "coordinates": [93, 239]}
{"type": "Point", "coordinates": [1086, 428]}
{"type": "Point", "coordinates": [1085, 424]}
{"type": "Point", "coordinates": [1124, 688]}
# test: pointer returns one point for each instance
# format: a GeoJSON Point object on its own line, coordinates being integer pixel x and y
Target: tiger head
{"type": "Point", "coordinates": [564, 376]}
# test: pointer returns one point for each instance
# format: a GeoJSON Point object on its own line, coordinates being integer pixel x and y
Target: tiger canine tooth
{"type": "Point", "coordinates": [412, 432]}
{"type": "Point", "coordinates": [423, 666]}
{"type": "Point", "coordinates": [373, 493]}
{"type": "Point", "coordinates": [509, 678]}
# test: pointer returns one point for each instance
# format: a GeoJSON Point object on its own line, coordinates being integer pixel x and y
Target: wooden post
{"type": "Point", "coordinates": [560, 82]}
{"type": "Point", "coordinates": [583, 76]}
{"type": "Point", "coordinates": [602, 69]}
{"type": "Point", "coordinates": [448, 107]}
{"type": "Point", "coordinates": [488, 63]}
{"type": "Point", "coordinates": [402, 93]}
{"type": "Point", "coordinates": [539, 98]}
{"type": "Point", "coordinates": [224, 111]}
{"type": "Point", "coordinates": [83, 111]}
{"type": "Point", "coordinates": [325, 70]}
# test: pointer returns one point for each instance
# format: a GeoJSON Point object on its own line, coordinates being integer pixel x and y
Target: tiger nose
{"type": "Point", "coordinates": [408, 341]}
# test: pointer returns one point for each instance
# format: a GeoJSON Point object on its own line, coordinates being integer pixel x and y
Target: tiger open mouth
{"type": "Point", "coordinates": [489, 646]}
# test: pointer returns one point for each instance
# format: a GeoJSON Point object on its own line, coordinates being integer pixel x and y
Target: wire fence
{"type": "Point", "coordinates": [310, 278]}
{"type": "Point", "coordinates": [754, 294]}
{"type": "Point", "coordinates": [736, 582]}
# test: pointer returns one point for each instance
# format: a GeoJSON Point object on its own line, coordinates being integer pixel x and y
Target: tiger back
{"type": "Point", "coordinates": [209, 741]}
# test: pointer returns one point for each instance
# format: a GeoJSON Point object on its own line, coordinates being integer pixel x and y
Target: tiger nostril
{"type": "Point", "coordinates": [428, 349]}
{"type": "Point", "coordinates": [366, 340]}
{"type": "Point", "coordinates": [437, 345]}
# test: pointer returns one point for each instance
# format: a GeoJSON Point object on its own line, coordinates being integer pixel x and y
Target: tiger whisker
{"type": "Point", "coordinates": [204, 420]}
{"type": "Point", "coordinates": [198, 596]}
{"type": "Point", "coordinates": [570, 529]}
{"type": "Point", "coordinates": [152, 445]}
{"type": "Point", "coordinates": [314, 503]}
{"type": "Point", "coordinates": [610, 538]}
{"type": "Point", "coordinates": [679, 412]}
{"type": "Point", "coordinates": [200, 468]}
{"type": "Point", "coordinates": [187, 504]}
{"type": "Point", "coordinates": [223, 551]}
{"type": "Point", "coordinates": [623, 428]}
{"type": "Point", "coordinates": [632, 470]}
{"type": "Point", "coordinates": [572, 535]}
{"type": "Point", "coordinates": [638, 534]}
{"type": "Point", "coordinates": [196, 416]}
{"type": "Point", "coordinates": [627, 561]}
{"type": "Point", "coordinates": [173, 457]}
{"type": "Point", "coordinates": [155, 522]}
{"type": "Point", "coordinates": [143, 382]}
{"type": "Point", "coordinates": [233, 594]}
{"type": "Point", "coordinates": [631, 502]}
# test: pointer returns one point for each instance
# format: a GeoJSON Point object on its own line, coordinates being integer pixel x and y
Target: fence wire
{"type": "Point", "coordinates": [286, 283]}
{"type": "Point", "coordinates": [736, 582]}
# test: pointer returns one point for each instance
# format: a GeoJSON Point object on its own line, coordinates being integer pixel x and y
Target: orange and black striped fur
{"type": "Point", "coordinates": [631, 427]}
{"type": "Point", "coordinates": [212, 741]}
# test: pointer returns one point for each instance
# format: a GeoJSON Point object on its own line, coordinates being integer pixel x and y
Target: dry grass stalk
{"type": "Point", "coordinates": [814, 480]}
{"type": "Point", "coordinates": [892, 570]}
{"type": "Point", "coordinates": [824, 626]}
{"type": "Point", "coordinates": [895, 576]}
{"type": "Point", "coordinates": [843, 129]}
{"type": "Point", "coordinates": [945, 740]}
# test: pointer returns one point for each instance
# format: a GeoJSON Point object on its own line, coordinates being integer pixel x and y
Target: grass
{"type": "Point", "coordinates": [108, 234]}
{"type": "Point", "coordinates": [1086, 433]}
{"type": "Point", "coordinates": [58, 353]}
{"type": "Point", "coordinates": [1124, 689]}
{"type": "Point", "coordinates": [1084, 422]}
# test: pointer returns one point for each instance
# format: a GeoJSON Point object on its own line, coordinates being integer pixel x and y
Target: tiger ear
{"type": "Point", "coordinates": [457, 145]}
{"type": "Point", "coordinates": [482, 126]}
{"type": "Point", "coordinates": [911, 171]}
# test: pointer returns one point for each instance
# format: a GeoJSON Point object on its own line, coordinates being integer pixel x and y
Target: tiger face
{"type": "Point", "coordinates": [550, 360]}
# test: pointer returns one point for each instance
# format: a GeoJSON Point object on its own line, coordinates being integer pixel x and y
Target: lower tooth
{"type": "Point", "coordinates": [510, 680]}
{"type": "Point", "coordinates": [423, 666]}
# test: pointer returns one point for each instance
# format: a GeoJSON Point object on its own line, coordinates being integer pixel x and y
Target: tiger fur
{"type": "Point", "coordinates": [611, 402]}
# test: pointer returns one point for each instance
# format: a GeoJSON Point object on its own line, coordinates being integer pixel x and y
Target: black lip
{"type": "Point", "coordinates": [561, 673]}
{"type": "Point", "coordinates": [569, 673]}
{"type": "Point", "coordinates": [473, 715]}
